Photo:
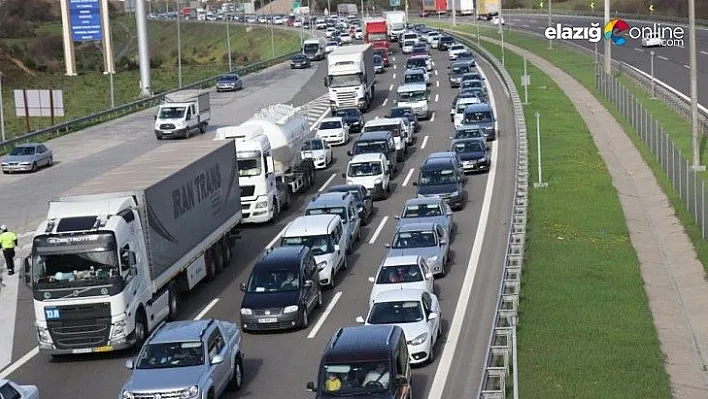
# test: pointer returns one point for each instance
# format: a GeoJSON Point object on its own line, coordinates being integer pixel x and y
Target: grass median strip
{"type": "Point", "coordinates": [586, 329]}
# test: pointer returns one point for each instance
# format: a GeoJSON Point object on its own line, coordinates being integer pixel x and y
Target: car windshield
{"type": "Point", "coordinates": [227, 78]}
{"type": "Point", "coordinates": [462, 105]}
{"type": "Point", "coordinates": [415, 63]}
{"type": "Point", "coordinates": [313, 145]}
{"type": "Point", "coordinates": [460, 69]}
{"type": "Point", "coordinates": [408, 43]}
{"type": "Point", "coordinates": [468, 146]}
{"type": "Point", "coordinates": [345, 80]}
{"type": "Point", "coordinates": [319, 245]}
{"type": "Point", "coordinates": [337, 210]}
{"type": "Point", "coordinates": [457, 47]}
{"type": "Point", "coordinates": [378, 60]}
{"type": "Point", "coordinates": [414, 78]}
{"type": "Point", "coordinates": [436, 177]}
{"type": "Point", "coordinates": [311, 47]}
{"type": "Point", "coordinates": [23, 151]}
{"type": "Point", "coordinates": [345, 189]}
{"type": "Point", "coordinates": [468, 134]}
{"type": "Point", "coordinates": [299, 57]}
{"type": "Point", "coordinates": [421, 211]}
{"type": "Point", "coordinates": [75, 267]}
{"type": "Point", "coordinates": [330, 125]}
{"type": "Point", "coordinates": [396, 312]}
{"type": "Point", "coordinates": [273, 280]}
{"type": "Point", "coordinates": [354, 379]}
{"type": "Point", "coordinates": [413, 95]}
{"type": "Point", "coordinates": [171, 112]}
{"type": "Point", "coordinates": [361, 169]}
{"type": "Point", "coordinates": [399, 274]}
{"type": "Point", "coordinates": [249, 167]}
{"type": "Point", "coordinates": [370, 147]}
{"type": "Point", "coordinates": [477, 116]}
{"type": "Point", "coordinates": [401, 113]}
{"type": "Point", "coordinates": [447, 40]}
{"type": "Point", "coordinates": [170, 355]}
{"type": "Point", "coordinates": [414, 239]}
{"type": "Point", "coordinates": [394, 129]}
{"type": "Point", "coordinates": [347, 112]}
{"type": "Point", "coordinates": [470, 83]}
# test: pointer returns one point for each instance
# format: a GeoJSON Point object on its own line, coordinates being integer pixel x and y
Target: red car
{"type": "Point", "coordinates": [384, 56]}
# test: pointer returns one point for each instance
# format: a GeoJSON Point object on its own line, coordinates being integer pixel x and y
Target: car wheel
{"type": "Point", "coordinates": [237, 379]}
{"type": "Point", "coordinates": [431, 355]}
{"type": "Point", "coordinates": [34, 166]}
{"type": "Point", "coordinates": [50, 162]}
{"type": "Point", "coordinates": [305, 321]}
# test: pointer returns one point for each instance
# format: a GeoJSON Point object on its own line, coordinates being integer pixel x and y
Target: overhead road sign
{"type": "Point", "coordinates": [85, 16]}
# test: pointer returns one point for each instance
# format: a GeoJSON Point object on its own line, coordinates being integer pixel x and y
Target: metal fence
{"type": "Point", "coordinates": [600, 14]}
{"type": "Point", "coordinates": [686, 182]}
{"type": "Point", "coordinates": [500, 367]}
{"type": "Point", "coordinates": [132, 107]}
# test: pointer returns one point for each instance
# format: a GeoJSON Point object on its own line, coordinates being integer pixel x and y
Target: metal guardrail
{"type": "Point", "coordinates": [500, 364]}
{"type": "Point", "coordinates": [135, 106]}
{"type": "Point", "coordinates": [601, 14]}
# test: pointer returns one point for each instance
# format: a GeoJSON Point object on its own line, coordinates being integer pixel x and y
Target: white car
{"type": "Point", "coordinates": [425, 71]}
{"type": "Point", "coordinates": [358, 34]}
{"type": "Point", "coordinates": [454, 50]}
{"type": "Point", "coordinates": [10, 390]}
{"type": "Point", "coordinates": [496, 21]}
{"type": "Point", "coordinates": [321, 24]}
{"type": "Point", "coordinates": [652, 41]}
{"type": "Point", "coordinates": [320, 152]}
{"type": "Point", "coordinates": [417, 312]}
{"type": "Point", "coordinates": [409, 130]}
{"type": "Point", "coordinates": [345, 38]}
{"type": "Point", "coordinates": [431, 37]}
{"type": "Point", "coordinates": [330, 46]}
{"type": "Point", "coordinates": [407, 47]}
{"type": "Point", "coordinates": [402, 272]}
{"type": "Point", "coordinates": [329, 34]}
{"type": "Point", "coordinates": [333, 130]}
{"type": "Point", "coordinates": [278, 20]}
{"type": "Point", "coordinates": [435, 42]}
{"type": "Point", "coordinates": [370, 170]}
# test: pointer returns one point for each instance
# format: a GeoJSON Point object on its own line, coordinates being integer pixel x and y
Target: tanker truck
{"type": "Point", "coordinates": [115, 253]}
{"type": "Point", "coordinates": [270, 162]}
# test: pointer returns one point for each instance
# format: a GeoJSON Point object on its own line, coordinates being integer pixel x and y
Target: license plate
{"type": "Point", "coordinates": [85, 350]}
{"type": "Point", "coordinates": [268, 320]}
{"type": "Point", "coordinates": [106, 348]}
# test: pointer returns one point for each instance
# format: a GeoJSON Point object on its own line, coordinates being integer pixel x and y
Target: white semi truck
{"type": "Point", "coordinates": [351, 78]}
{"type": "Point", "coordinates": [182, 113]}
{"type": "Point", "coordinates": [111, 260]}
{"type": "Point", "coordinates": [462, 7]}
{"type": "Point", "coordinates": [397, 22]}
{"type": "Point", "coordinates": [270, 162]}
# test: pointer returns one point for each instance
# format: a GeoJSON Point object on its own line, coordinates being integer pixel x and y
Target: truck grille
{"type": "Point", "coordinates": [81, 326]}
{"type": "Point", "coordinates": [247, 191]}
{"type": "Point", "coordinates": [158, 394]}
{"type": "Point", "coordinates": [167, 126]}
{"type": "Point", "coordinates": [346, 99]}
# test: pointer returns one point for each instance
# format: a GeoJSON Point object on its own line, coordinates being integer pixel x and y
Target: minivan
{"type": "Point", "coordinates": [341, 204]}
{"type": "Point", "coordinates": [324, 235]}
{"type": "Point", "coordinates": [414, 95]}
{"type": "Point", "coordinates": [480, 116]}
{"type": "Point", "coordinates": [441, 177]}
{"type": "Point", "coordinates": [397, 129]}
{"type": "Point", "coordinates": [372, 172]}
{"type": "Point", "coordinates": [281, 291]}
{"type": "Point", "coordinates": [377, 142]}
{"type": "Point", "coordinates": [355, 355]}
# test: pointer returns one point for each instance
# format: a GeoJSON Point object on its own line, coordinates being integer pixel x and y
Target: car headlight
{"type": "Point", "coordinates": [127, 395]}
{"type": "Point", "coordinates": [246, 312]}
{"type": "Point", "coordinates": [43, 335]}
{"type": "Point", "coordinates": [482, 160]}
{"type": "Point", "coordinates": [261, 204]}
{"type": "Point", "coordinates": [5, 164]}
{"type": "Point", "coordinates": [321, 265]}
{"type": "Point", "coordinates": [290, 309]}
{"type": "Point", "coordinates": [321, 158]}
{"type": "Point", "coordinates": [432, 259]}
{"type": "Point", "coordinates": [24, 163]}
{"type": "Point", "coordinates": [119, 328]}
{"type": "Point", "coordinates": [191, 392]}
{"type": "Point", "coordinates": [455, 194]}
{"type": "Point", "coordinates": [350, 181]}
{"type": "Point", "coordinates": [419, 339]}
{"type": "Point", "coordinates": [378, 181]}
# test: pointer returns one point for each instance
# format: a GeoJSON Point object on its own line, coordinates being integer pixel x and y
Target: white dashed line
{"type": "Point", "coordinates": [432, 117]}
{"type": "Point", "coordinates": [324, 186]}
{"type": "Point", "coordinates": [390, 87]}
{"type": "Point", "coordinates": [424, 143]}
{"type": "Point", "coordinates": [408, 177]}
{"type": "Point", "coordinates": [686, 66]}
{"type": "Point", "coordinates": [376, 117]}
{"type": "Point", "coordinates": [277, 237]}
{"type": "Point", "coordinates": [19, 363]}
{"type": "Point", "coordinates": [704, 52]}
{"type": "Point", "coordinates": [525, 26]}
{"type": "Point", "coordinates": [437, 97]}
{"type": "Point", "coordinates": [437, 83]}
{"type": "Point", "coordinates": [394, 67]}
{"type": "Point", "coordinates": [394, 76]}
{"type": "Point", "coordinates": [383, 104]}
{"type": "Point", "coordinates": [638, 49]}
{"type": "Point", "coordinates": [662, 57]}
{"type": "Point", "coordinates": [393, 59]}
{"type": "Point", "coordinates": [326, 313]}
{"type": "Point", "coordinates": [206, 309]}
{"type": "Point", "coordinates": [436, 72]}
{"type": "Point", "coordinates": [378, 230]}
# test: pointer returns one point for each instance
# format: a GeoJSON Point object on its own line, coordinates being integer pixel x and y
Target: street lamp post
{"type": "Point", "coordinates": [179, 49]}
{"type": "Point", "coordinates": [2, 111]}
{"type": "Point", "coordinates": [608, 48]}
{"type": "Point", "coordinates": [694, 84]}
{"type": "Point", "coordinates": [272, 36]}
{"type": "Point", "coordinates": [501, 33]}
{"type": "Point", "coordinates": [550, 21]}
{"type": "Point", "coordinates": [228, 42]}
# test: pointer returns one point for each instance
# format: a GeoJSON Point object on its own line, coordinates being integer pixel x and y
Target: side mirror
{"type": "Point", "coordinates": [448, 213]}
{"type": "Point", "coordinates": [372, 280]}
{"type": "Point", "coordinates": [218, 359]}
{"type": "Point", "coordinates": [28, 271]}
{"type": "Point", "coordinates": [308, 283]}
{"type": "Point", "coordinates": [401, 380]}
{"type": "Point", "coordinates": [432, 316]}
{"type": "Point", "coordinates": [132, 260]}
{"type": "Point", "coordinates": [326, 84]}
{"type": "Point", "coordinates": [415, 183]}
{"type": "Point", "coordinates": [443, 242]}
{"type": "Point", "coordinates": [350, 153]}
{"type": "Point", "coordinates": [387, 172]}
{"type": "Point", "coordinates": [243, 287]}
{"type": "Point", "coordinates": [337, 248]}
{"type": "Point", "coordinates": [428, 275]}
{"type": "Point", "coordinates": [397, 217]}
{"type": "Point", "coordinates": [387, 245]}
{"type": "Point", "coordinates": [269, 164]}
{"type": "Point", "coordinates": [360, 319]}
{"type": "Point", "coordinates": [154, 117]}
{"type": "Point", "coordinates": [310, 386]}
{"type": "Point", "coordinates": [344, 175]}
{"type": "Point", "coordinates": [129, 364]}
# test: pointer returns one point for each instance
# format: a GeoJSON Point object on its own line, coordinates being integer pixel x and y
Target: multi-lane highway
{"type": "Point", "coordinates": [279, 364]}
{"type": "Point", "coordinates": [671, 64]}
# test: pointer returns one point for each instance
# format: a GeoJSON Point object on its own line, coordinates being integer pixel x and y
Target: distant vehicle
{"type": "Point", "coordinates": [331, 45]}
{"type": "Point", "coordinates": [473, 84]}
{"type": "Point", "coordinates": [464, 132]}
{"type": "Point", "coordinates": [407, 47]}
{"type": "Point", "coordinates": [372, 171]}
{"type": "Point", "coordinates": [457, 70]}
{"type": "Point", "coordinates": [420, 61]}
{"type": "Point", "coordinates": [345, 38]}
{"type": "Point", "coordinates": [455, 50]}
{"type": "Point", "coordinates": [319, 151]}
{"type": "Point", "coordinates": [363, 200]}
{"type": "Point", "coordinates": [460, 107]}
{"type": "Point", "coordinates": [651, 40]}
{"type": "Point", "coordinates": [465, 56]}
{"type": "Point", "coordinates": [481, 116]}
{"type": "Point", "coordinates": [405, 112]}
{"type": "Point", "coordinates": [427, 209]}
{"type": "Point", "coordinates": [415, 96]}
{"type": "Point", "coordinates": [315, 49]}
{"type": "Point", "coordinates": [352, 117]}
{"type": "Point", "coordinates": [229, 82]}
{"type": "Point", "coordinates": [473, 153]}
{"type": "Point", "coordinates": [379, 64]}
{"type": "Point", "coordinates": [417, 75]}
{"type": "Point", "coordinates": [358, 34]}
{"type": "Point", "coordinates": [27, 158]}
{"type": "Point", "coordinates": [420, 49]}
{"type": "Point", "coordinates": [299, 61]}
{"type": "Point", "coordinates": [344, 205]}
{"type": "Point", "coordinates": [400, 273]}
{"type": "Point", "coordinates": [497, 21]}
{"type": "Point", "coordinates": [445, 42]}
{"type": "Point", "coordinates": [384, 55]}
{"type": "Point", "coordinates": [195, 358]}
{"type": "Point", "coordinates": [10, 390]}
{"type": "Point", "coordinates": [183, 113]}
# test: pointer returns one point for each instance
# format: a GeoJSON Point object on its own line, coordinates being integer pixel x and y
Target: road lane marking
{"type": "Point", "coordinates": [326, 313]}
{"type": "Point", "coordinates": [425, 142]}
{"type": "Point", "coordinates": [383, 104]}
{"type": "Point", "coordinates": [408, 176]}
{"type": "Point", "coordinates": [436, 72]}
{"type": "Point", "coordinates": [324, 186]}
{"type": "Point", "coordinates": [686, 66]}
{"type": "Point", "coordinates": [437, 83]}
{"type": "Point", "coordinates": [206, 309]}
{"type": "Point", "coordinates": [704, 52]}
{"type": "Point", "coordinates": [533, 21]}
{"type": "Point", "coordinates": [19, 363]}
{"type": "Point", "coordinates": [455, 329]}
{"type": "Point", "coordinates": [318, 120]}
{"type": "Point", "coordinates": [639, 49]}
{"type": "Point", "coordinates": [378, 230]}
{"type": "Point", "coordinates": [393, 59]}
{"type": "Point", "coordinates": [377, 117]}
{"type": "Point", "coordinates": [525, 26]}
{"type": "Point", "coordinates": [432, 117]}
{"type": "Point", "coordinates": [277, 237]}
{"type": "Point", "coordinates": [394, 76]}
{"type": "Point", "coordinates": [437, 97]}
{"type": "Point", "coordinates": [667, 87]}
{"type": "Point", "coordinates": [390, 87]}
{"type": "Point", "coordinates": [394, 67]}
{"type": "Point", "coordinates": [662, 57]}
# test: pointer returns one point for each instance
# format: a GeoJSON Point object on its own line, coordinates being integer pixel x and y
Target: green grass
{"type": "Point", "coordinates": [203, 50]}
{"type": "Point", "coordinates": [586, 330]}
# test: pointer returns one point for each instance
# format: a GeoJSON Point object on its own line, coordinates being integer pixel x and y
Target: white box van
{"type": "Point", "coordinates": [325, 237]}
{"type": "Point", "coordinates": [371, 171]}
{"type": "Point", "coordinates": [414, 95]}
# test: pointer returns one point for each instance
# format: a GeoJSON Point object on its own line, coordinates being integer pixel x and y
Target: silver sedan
{"type": "Point", "coordinates": [27, 158]}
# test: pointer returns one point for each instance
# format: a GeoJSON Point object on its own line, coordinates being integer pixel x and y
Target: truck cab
{"type": "Point", "coordinates": [376, 34]}
{"type": "Point", "coordinates": [351, 77]}
{"type": "Point", "coordinates": [182, 114]}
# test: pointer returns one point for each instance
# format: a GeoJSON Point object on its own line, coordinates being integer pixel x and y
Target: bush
{"type": "Point", "coordinates": [30, 11]}
{"type": "Point", "coordinates": [127, 64]}
{"type": "Point", "coordinates": [14, 27]}
{"type": "Point", "coordinates": [46, 48]}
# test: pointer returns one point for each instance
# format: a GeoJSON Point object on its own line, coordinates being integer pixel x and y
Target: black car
{"type": "Point", "coordinates": [420, 49]}
{"type": "Point", "coordinates": [473, 153]}
{"type": "Point", "coordinates": [441, 177]}
{"type": "Point", "coordinates": [379, 64]}
{"type": "Point", "coordinates": [282, 290]}
{"type": "Point", "coordinates": [405, 112]}
{"type": "Point", "coordinates": [445, 42]}
{"type": "Point", "coordinates": [299, 61]}
{"type": "Point", "coordinates": [465, 132]}
{"type": "Point", "coordinates": [364, 202]}
{"type": "Point", "coordinates": [352, 117]}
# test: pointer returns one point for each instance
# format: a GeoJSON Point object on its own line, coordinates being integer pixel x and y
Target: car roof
{"type": "Point", "coordinates": [407, 294]}
{"type": "Point", "coordinates": [369, 157]}
{"type": "Point", "coordinates": [400, 260]}
{"type": "Point", "coordinates": [412, 87]}
{"type": "Point", "coordinates": [423, 201]}
{"type": "Point", "coordinates": [374, 136]}
{"type": "Point", "coordinates": [180, 331]}
{"type": "Point", "coordinates": [362, 343]}
{"type": "Point", "coordinates": [418, 56]}
{"type": "Point", "coordinates": [382, 122]}
{"type": "Point", "coordinates": [333, 119]}
{"type": "Point", "coordinates": [280, 257]}
{"type": "Point", "coordinates": [310, 225]}
{"type": "Point", "coordinates": [479, 139]}
{"type": "Point", "coordinates": [478, 107]}
{"type": "Point", "coordinates": [345, 187]}
{"type": "Point", "coordinates": [416, 226]}
{"type": "Point", "coordinates": [28, 145]}
{"type": "Point", "coordinates": [439, 163]}
{"type": "Point", "coordinates": [414, 71]}
{"type": "Point", "coordinates": [329, 199]}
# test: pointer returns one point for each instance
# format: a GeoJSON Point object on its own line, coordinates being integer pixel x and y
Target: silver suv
{"type": "Point", "coordinates": [187, 359]}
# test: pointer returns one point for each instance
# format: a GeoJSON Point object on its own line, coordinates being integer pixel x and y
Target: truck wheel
{"type": "Point", "coordinates": [226, 251]}
{"type": "Point", "coordinates": [218, 258]}
{"type": "Point", "coordinates": [237, 379]}
{"type": "Point", "coordinates": [158, 136]}
{"type": "Point", "coordinates": [141, 328]}
{"type": "Point", "coordinates": [172, 301]}
{"type": "Point", "coordinates": [203, 128]}
{"type": "Point", "coordinates": [210, 264]}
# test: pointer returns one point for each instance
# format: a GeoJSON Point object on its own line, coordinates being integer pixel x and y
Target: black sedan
{"type": "Point", "coordinates": [352, 117]}
{"type": "Point", "coordinates": [299, 61]}
{"type": "Point", "coordinates": [405, 112]}
{"type": "Point", "coordinates": [363, 201]}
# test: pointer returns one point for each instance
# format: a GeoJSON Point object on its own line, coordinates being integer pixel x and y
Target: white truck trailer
{"type": "Point", "coordinates": [351, 77]}
{"type": "Point", "coordinates": [109, 263]}
{"type": "Point", "coordinates": [347, 10]}
{"type": "Point", "coordinates": [397, 22]}
{"type": "Point", "coordinates": [182, 113]}
{"type": "Point", "coordinates": [462, 7]}
{"type": "Point", "coordinates": [270, 160]}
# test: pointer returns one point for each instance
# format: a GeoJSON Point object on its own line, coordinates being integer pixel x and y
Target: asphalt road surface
{"type": "Point", "coordinates": [279, 364]}
{"type": "Point", "coordinates": [671, 64]}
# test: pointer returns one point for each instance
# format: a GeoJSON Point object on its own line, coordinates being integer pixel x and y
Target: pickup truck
{"type": "Point", "coordinates": [204, 359]}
